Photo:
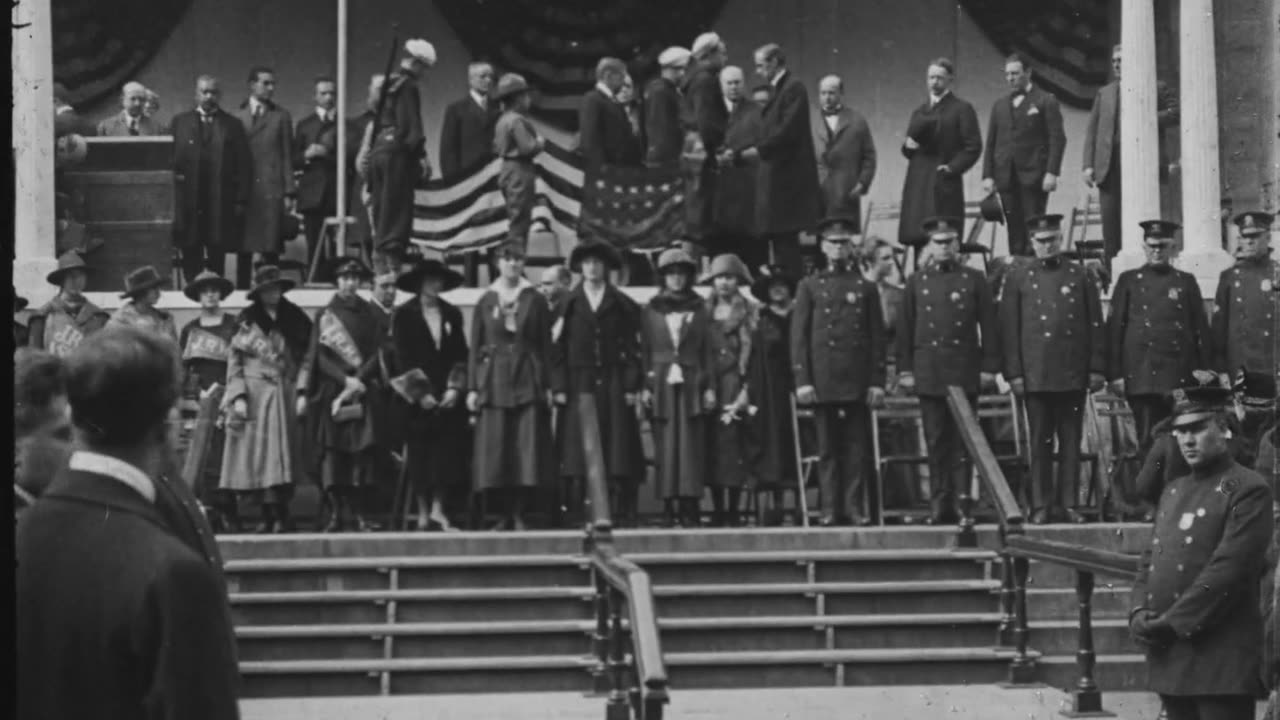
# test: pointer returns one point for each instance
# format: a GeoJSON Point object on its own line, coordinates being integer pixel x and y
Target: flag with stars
{"type": "Point", "coordinates": [632, 208]}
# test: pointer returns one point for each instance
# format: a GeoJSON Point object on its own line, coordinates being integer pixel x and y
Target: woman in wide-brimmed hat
{"type": "Point", "coordinates": [205, 343]}
{"type": "Point", "coordinates": [734, 318]}
{"type": "Point", "coordinates": [428, 364]}
{"type": "Point", "coordinates": [598, 354]}
{"type": "Point", "coordinates": [769, 377]}
{"type": "Point", "coordinates": [61, 324]}
{"type": "Point", "coordinates": [262, 455]}
{"type": "Point", "coordinates": [516, 141]}
{"type": "Point", "coordinates": [679, 394]}
{"type": "Point", "coordinates": [142, 290]}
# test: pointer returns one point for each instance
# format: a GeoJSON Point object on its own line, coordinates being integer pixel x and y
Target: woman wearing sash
{"type": "Point", "coordinates": [679, 393]}
{"type": "Point", "coordinates": [428, 360]}
{"type": "Point", "coordinates": [509, 378]}
{"type": "Point", "coordinates": [733, 322]}
{"type": "Point", "coordinates": [341, 373]}
{"type": "Point", "coordinates": [142, 290]}
{"type": "Point", "coordinates": [206, 344]}
{"type": "Point", "coordinates": [261, 456]}
{"type": "Point", "coordinates": [62, 323]}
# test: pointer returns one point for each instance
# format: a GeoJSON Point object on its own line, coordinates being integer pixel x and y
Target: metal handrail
{"type": "Point", "coordinates": [1077, 557]}
{"type": "Point", "coordinates": [984, 459]}
{"type": "Point", "coordinates": [619, 581]}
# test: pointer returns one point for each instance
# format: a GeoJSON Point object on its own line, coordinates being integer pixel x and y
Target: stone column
{"type": "Point", "coordinates": [1139, 140]}
{"type": "Point", "coordinates": [1202, 251]}
{"type": "Point", "coordinates": [33, 150]}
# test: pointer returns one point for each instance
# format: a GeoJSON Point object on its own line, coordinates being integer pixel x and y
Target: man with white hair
{"type": "Point", "coordinates": [132, 120]}
{"type": "Point", "coordinates": [467, 136]}
{"type": "Point", "coordinates": [735, 192]}
{"type": "Point", "coordinates": [398, 156]}
{"type": "Point", "coordinates": [604, 132]}
{"type": "Point", "coordinates": [663, 137]}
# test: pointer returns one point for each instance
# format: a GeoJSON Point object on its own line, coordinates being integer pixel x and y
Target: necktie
{"type": "Point", "coordinates": [133, 126]}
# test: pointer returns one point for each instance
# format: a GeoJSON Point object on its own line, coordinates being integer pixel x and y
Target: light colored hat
{"type": "Point", "coordinates": [509, 85]}
{"type": "Point", "coordinates": [422, 51]}
{"type": "Point", "coordinates": [676, 257]}
{"type": "Point", "coordinates": [706, 41]}
{"type": "Point", "coordinates": [674, 57]}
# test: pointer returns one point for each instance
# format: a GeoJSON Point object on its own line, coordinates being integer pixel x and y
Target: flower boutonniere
{"type": "Point", "coordinates": [1033, 110]}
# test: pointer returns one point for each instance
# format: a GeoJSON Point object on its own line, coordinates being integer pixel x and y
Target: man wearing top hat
{"type": "Point", "coordinates": [1196, 600]}
{"type": "Point", "coordinates": [837, 358]}
{"type": "Point", "coordinates": [341, 372]}
{"type": "Point", "coordinates": [663, 136]}
{"type": "Point", "coordinates": [517, 142]}
{"type": "Point", "coordinates": [1158, 332]}
{"type": "Point", "coordinates": [142, 290]}
{"type": "Point", "coordinates": [597, 352]}
{"type": "Point", "coordinates": [1244, 316]}
{"type": "Point", "coordinates": [61, 324]}
{"type": "Point", "coordinates": [1054, 351]}
{"type": "Point", "coordinates": [948, 338]}
{"type": "Point", "coordinates": [205, 344]}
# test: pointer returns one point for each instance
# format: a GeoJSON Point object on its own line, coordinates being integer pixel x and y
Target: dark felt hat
{"type": "Point", "coordinates": [769, 276]}
{"type": "Point", "coordinates": [1044, 225]}
{"type": "Point", "coordinates": [942, 226]}
{"type": "Point", "coordinates": [1199, 400]}
{"type": "Point", "coordinates": [1161, 229]}
{"type": "Point", "coordinates": [265, 276]}
{"type": "Point", "coordinates": [206, 280]}
{"type": "Point", "coordinates": [1254, 223]}
{"type": "Point", "coordinates": [991, 209]}
{"type": "Point", "coordinates": [68, 262]}
{"type": "Point", "coordinates": [141, 280]}
{"type": "Point", "coordinates": [352, 266]}
{"type": "Point", "coordinates": [596, 249]}
{"type": "Point", "coordinates": [1256, 386]}
{"type": "Point", "coordinates": [410, 280]}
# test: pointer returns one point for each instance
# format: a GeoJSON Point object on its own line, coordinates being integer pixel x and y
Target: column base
{"type": "Point", "coordinates": [1206, 265]}
{"type": "Point", "coordinates": [29, 279]}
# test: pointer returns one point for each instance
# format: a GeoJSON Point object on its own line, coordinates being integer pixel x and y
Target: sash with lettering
{"type": "Point", "coordinates": [61, 335]}
{"type": "Point", "coordinates": [250, 340]}
{"type": "Point", "coordinates": [204, 345]}
{"type": "Point", "coordinates": [334, 335]}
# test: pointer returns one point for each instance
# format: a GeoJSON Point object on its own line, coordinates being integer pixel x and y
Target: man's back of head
{"type": "Point", "coordinates": [122, 384]}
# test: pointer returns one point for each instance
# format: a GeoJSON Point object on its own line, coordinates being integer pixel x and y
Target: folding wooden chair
{"type": "Point", "coordinates": [906, 411]}
{"type": "Point", "coordinates": [1084, 231]}
{"type": "Point", "coordinates": [972, 243]}
{"type": "Point", "coordinates": [1119, 454]}
{"type": "Point", "coordinates": [806, 461]}
{"type": "Point", "coordinates": [326, 252]}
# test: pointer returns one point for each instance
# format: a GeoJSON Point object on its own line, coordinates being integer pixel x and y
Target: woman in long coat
{"type": "Point", "coordinates": [597, 352]}
{"type": "Point", "coordinates": [679, 394]}
{"type": "Point", "coordinates": [770, 378]}
{"type": "Point", "coordinates": [205, 343]}
{"type": "Point", "coordinates": [427, 336]}
{"type": "Point", "coordinates": [733, 323]}
{"type": "Point", "coordinates": [261, 457]}
{"type": "Point", "coordinates": [509, 378]}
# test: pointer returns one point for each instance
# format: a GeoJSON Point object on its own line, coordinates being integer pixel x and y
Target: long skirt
{"type": "Point", "coordinates": [730, 456]}
{"type": "Point", "coordinates": [680, 452]}
{"type": "Point", "coordinates": [513, 448]}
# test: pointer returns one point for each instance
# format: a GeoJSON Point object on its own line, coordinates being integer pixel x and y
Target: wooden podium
{"type": "Point", "coordinates": [123, 193]}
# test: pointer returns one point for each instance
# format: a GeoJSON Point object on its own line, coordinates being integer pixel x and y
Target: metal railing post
{"type": "Point", "coordinates": [619, 705]}
{"type": "Point", "coordinates": [1022, 668]}
{"type": "Point", "coordinates": [1007, 619]}
{"type": "Point", "coordinates": [1086, 698]}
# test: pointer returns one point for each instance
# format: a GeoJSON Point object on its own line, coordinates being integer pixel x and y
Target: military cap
{"type": "Point", "coordinates": [1044, 225]}
{"type": "Point", "coordinates": [1162, 229]}
{"type": "Point", "coordinates": [352, 266]}
{"type": "Point", "coordinates": [674, 57]}
{"type": "Point", "coordinates": [948, 227]}
{"type": "Point", "coordinates": [1254, 223]}
{"type": "Point", "coordinates": [1198, 401]}
{"type": "Point", "coordinates": [839, 228]}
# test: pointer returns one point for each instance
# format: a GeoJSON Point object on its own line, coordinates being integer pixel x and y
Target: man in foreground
{"type": "Point", "coordinates": [1195, 602]}
{"type": "Point", "coordinates": [118, 616]}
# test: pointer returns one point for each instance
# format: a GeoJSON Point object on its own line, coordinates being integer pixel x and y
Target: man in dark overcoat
{"type": "Point", "coordinates": [837, 357]}
{"type": "Point", "coordinates": [948, 337]}
{"type": "Point", "coordinates": [212, 178]}
{"type": "Point", "coordinates": [597, 352]}
{"type": "Point", "coordinates": [787, 199]}
{"type": "Point", "coordinates": [605, 136]}
{"type": "Point", "coordinates": [269, 128]}
{"type": "Point", "coordinates": [1024, 147]}
{"type": "Point", "coordinates": [315, 160]}
{"type": "Point", "coordinates": [943, 143]}
{"type": "Point", "coordinates": [466, 138]}
{"type": "Point", "coordinates": [1196, 600]}
{"type": "Point", "coordinates": [1102, 156]}
{"type": "Point", "coordinates": [735, 195]}
{"type": "Point", "coordinates": [120, 611]}
{"type": "Point", "coordinates": [846, 153]}
{"type": "Point", "coordinates": [663, 136]}
{"type": "Point", "coordinates": [1244, 314]}
{"type": "Point", "coordinates": [705, 119]}
{"type": "Point", "coordinates": [1158, 332]}
{"type": "Point", "coordinates": [1054, 351]}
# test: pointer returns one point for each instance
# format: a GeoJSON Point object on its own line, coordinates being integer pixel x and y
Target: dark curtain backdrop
{"type": "Point", "coordinates": [98, 45]}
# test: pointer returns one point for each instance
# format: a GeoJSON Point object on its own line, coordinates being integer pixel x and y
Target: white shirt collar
{"type": "Point", "coordinates": [323, 114]}
{"type": "Point", "coordinates": [255, 103]}
{"type": "Point", "coordinates": [607, 92]}
{"type": "Point", "coordinates": [116, 469]}
{"type": "Point", "coordinates": [481, 100]}
{"type": "Point", "coordinates": [934, 100]}
{"type": "Point", "coordinates": [777, 79]}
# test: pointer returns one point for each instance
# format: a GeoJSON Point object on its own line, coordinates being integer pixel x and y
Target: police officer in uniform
{"type": "Point", "coordinates": [948, 338]}
{"type": "Point", "coordinates": [1054, 350]}
{"type": "Point", "coordinates": [1196, 600]}
{"type": "Point", "coordinates": [398, 155]}
{"type": "Point", "coordinates": [1244, 317]}
{"type": "Point", "coordinates": [838, 360]}
{"type": "Point", "coordinates": [1158, 331]}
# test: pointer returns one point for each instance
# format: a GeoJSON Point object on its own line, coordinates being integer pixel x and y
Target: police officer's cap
{"type": "Point", "coordinates": [1042, 226]}
{"type": "Point", "coordinates": [837, 228]}
{"type": "Point", "coordinates": [942, 228]}
{"type": "Point", "coordinates": [1159, 229]}
{"type": "Point", "coordinates": [1199, 401]}
{"type": "Point", "coordinates": [1254, 223]}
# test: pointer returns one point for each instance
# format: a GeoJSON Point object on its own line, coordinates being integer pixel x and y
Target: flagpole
{"type": "Point", "coordinates": [341, 127]}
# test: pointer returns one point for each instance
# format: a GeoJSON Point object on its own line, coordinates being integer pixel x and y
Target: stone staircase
{"type": "Point", "coordinates": [493, 612]}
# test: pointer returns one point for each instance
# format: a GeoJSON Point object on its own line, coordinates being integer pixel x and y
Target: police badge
{"type": "Point", "coordinates": [1174, 293]}
{"type": "Point", "coordinates": [852, 298]}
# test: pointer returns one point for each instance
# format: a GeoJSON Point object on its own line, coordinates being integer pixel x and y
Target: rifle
{"type": "Point", "coordinates": [386, 82]}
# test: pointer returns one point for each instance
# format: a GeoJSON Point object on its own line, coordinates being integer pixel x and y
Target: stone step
{"type": "Point", "coordinates": [570, 602]}
{"type": "Point", "coordinates": [1061, 604]}
{"type": "Point", "coordinates": [1121, 671]}
{"type": "Point", "coordinates": [1055, 638]}
{"type": "Point", "coordinates": [843, 598]}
